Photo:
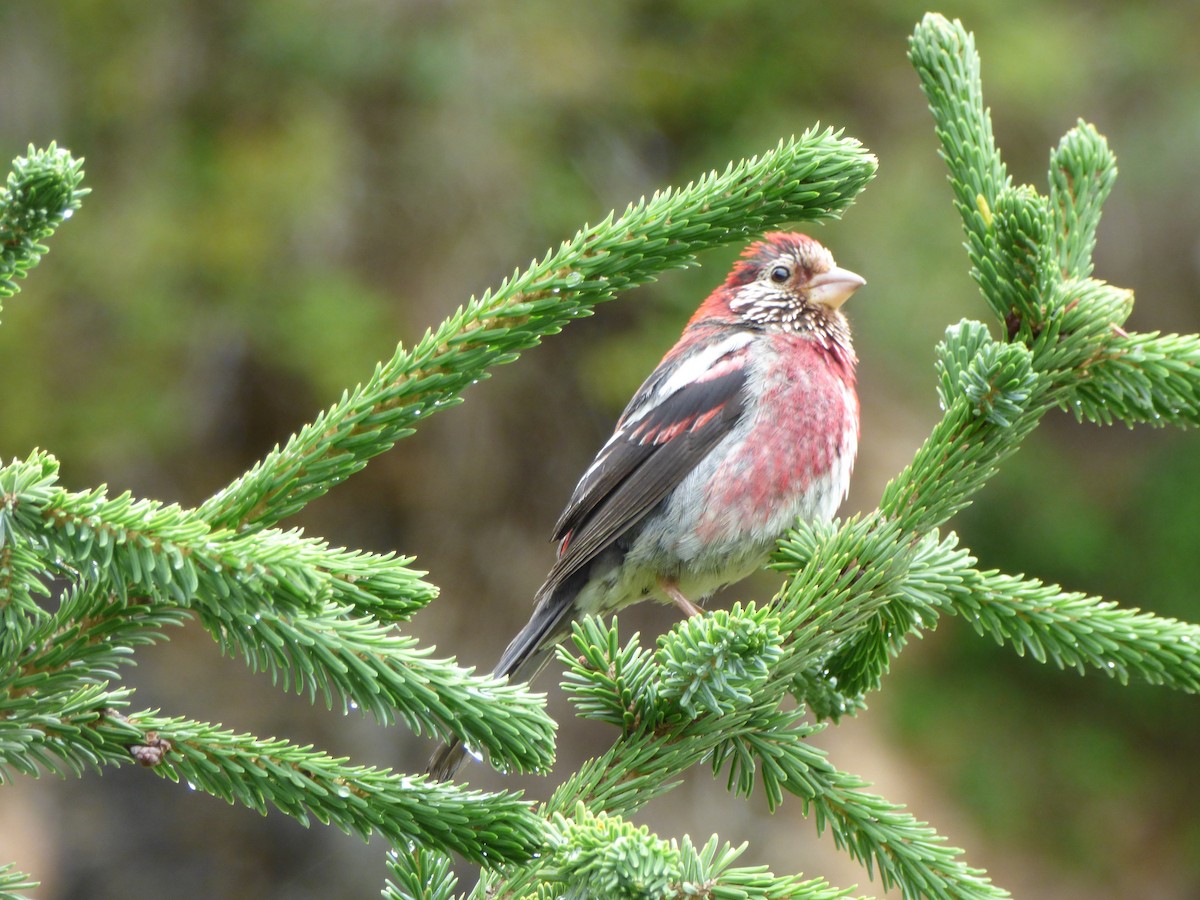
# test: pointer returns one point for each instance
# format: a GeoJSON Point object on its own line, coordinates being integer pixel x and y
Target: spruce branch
{"type": "Point", "coordinates": [418, 873]}
{"type": "Point", "coordinates": [21, 589]}
{"type": "Point", "coordinates": [302, 782]}
{"type": "Point", "coordinates": [13, 880]}
{"type": "Point", "coordinates": [43, 190]}
{"type": "Point", "coordinates": [811, 177]}
{"type": "Point", "coordinates": [1065, 343]}
{"type": "Point", "coordinates": [1067, 628]}
{"type": "Point", "coordinates": [61, 675]}
{"type": "Point", "coordinates": [1032, 255]}
{"type": "Point", "coordinates": [906, 852]}
{"type": "Point", "coordinates": [945, 58]}
{"type": "Point", "coordinates": [710, 873]}
{"type": "Point", "coordinates": [170, 552]}
{"type": "Point", "coordinates": [60, 738]}
{"type": "Point", "coordinates": [607, 856]}
{"type": "Point", "coordinates": [992, 400]}
{"type": "Point", "coordinates": [1151, 379]}
{"type": "Point", "coordinates": [603, 855]}
{"type": "Point", "coordinates": [607, 682]}
{"type": "Point", "coordinates": [322, 615]}
{"type": "Point", "coordinates": [1073, 630]}
{"type": "Point", "coordinates": [940, 577]}
{"type": "Point", "coordinates": [362, 664]}
{"type": "Point", "coordinates": [291, 605]}
{"type": "Point", "coordinates": [1019, 273]}
{"type": "Point", "coordinates": [69, 658]}
{"type": "Point", "coordinates": [822, 614]}
{"type": "Point", "coordinates": [716, 662]}
{"type": "Point", "coordinates": [1082, 172]}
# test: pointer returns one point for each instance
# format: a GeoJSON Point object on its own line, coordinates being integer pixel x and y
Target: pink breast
{"type": "Point", "coordinates": [796, 446]}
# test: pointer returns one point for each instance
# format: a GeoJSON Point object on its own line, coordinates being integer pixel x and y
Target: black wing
{"type": "Point", "coordinates": [644, 461]}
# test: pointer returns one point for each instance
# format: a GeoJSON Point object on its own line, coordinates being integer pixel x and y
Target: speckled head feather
{"type": "Point", "coordinates": [808, 255]}
{"type": "Point", "coordinates": [785, 282]}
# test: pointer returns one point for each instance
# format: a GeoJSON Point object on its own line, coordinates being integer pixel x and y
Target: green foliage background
{"type": "Point", "coordinates": [282, 190]}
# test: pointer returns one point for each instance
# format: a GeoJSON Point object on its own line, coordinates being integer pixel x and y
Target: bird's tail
{"type": "Point", "coordinates": [446, 759]}
{"type": "Point", "coordinates": [525, 656]}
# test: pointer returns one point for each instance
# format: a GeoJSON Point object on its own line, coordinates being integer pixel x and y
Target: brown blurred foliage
{"type": "Point", "coordinates": [284, 190]}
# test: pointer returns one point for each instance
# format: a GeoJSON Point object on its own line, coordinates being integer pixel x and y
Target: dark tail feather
{"type": "Point", "coordinates": [445, 760]}
{"type": "Point", "coordinates": [524, 658]}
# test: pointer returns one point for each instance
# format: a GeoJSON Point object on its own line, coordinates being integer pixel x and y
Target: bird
{"type": "Point", "coordinates": [749, 423]}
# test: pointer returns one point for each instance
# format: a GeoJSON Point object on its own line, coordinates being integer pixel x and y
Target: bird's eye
{"type": "Point", "coordinates": [780, 274]}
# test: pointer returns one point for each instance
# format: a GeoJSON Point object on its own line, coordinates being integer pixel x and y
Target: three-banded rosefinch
{"type": "Point", "coordinates": [749, 423]}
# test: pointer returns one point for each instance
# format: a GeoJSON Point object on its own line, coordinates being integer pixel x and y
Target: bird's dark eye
{"type": "Point", "coordinates": [780, 274]}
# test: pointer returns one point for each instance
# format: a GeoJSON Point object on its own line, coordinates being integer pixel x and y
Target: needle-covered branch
{"type": "Point", "coordinates": [601, 855]}
{"type": "Point", "coordinates": [305, 783]}
{"type": "Point", "coordinates": [173, 553]}
{"type": "Point", "coordinates": [43, 190]}
{"type": "Point", "coordinates": [604, 855]}
{"type": "Point", "coordinates": [812, 177]}
{"type": "Point", "coordinates": [291, 605]}
{"type": "Point", "coordinates": [1075, 631]}
{"type": "Point", "coordinates": [838, 584]}
{"type": "Point", "coordinates": [63, 672]}
{"type": "Point", "coordinates": [13, 880]}
{"type": "Point", "coordinates": [759, 743]}
{"type": "Point", "coordinates": [1151, 379]}
{"type": "Point", "coordinates": [1067, 628]}
{"type": "Point", "coordinates": [355, 662]}
{"type": "Point", "coordinates": [1082, 172]}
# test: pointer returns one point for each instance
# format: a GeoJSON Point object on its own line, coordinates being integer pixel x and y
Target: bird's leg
{"type": "Point", "coordinates": [676, 596]}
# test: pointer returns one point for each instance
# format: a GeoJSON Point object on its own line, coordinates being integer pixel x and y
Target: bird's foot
{"type": "Point", "coordinates": [676, 596]}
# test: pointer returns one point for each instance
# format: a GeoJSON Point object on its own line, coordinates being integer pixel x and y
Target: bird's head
{"type": "Point", "coordinates": [785, 282]}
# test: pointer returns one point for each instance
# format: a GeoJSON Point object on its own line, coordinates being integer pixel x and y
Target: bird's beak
{"type": "Point", "coordinates": [833, 288]}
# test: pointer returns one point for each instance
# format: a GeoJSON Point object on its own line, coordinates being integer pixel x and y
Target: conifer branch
{"type": "Point", "coordinates": [13, 880]}
{"type": "Point", "coordinates": [1068, 628]}
{"type": "Point", "coordinates": [171, 552]}
{"type": "Point", "coordinates": [303, 782]}
{"type": "Point", "coordinates": [1082, 172]}
{"type": "Point", "coordinates": [992, 399]}
{"type": "Point", "coordinates": [419, 873]}
{"type": "Point", "coordinates": [43, 190]}
{"type": "Point", "coordinates": [757, 740]}
{"type": "Point", "coordinates": [1073, 630]}
{"type": "Point", "coordinates": [762, 744]}
{"type": "Point", "coordinates": [59, 678]}
{"type": "Point", "coordinates": [603, 855]}
{"type": "Point", "coordinates": [812, 177]}
{"type": "Point", "coordinates": [358, 663]}
{"type": "Point", "coordinates": [1150, 379]}
{"type": "Point", "coordinates": [59, 713]}
{"type": "Point", "coordinates": [291, 605]}
{"type": "Point", "coordinates": [1062, 328]}
{"type": "Point", "coordinates": [944, 56]}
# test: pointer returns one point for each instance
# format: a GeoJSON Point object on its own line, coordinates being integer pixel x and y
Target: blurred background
{"type": "Point", "coordinates": [282, 191]}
